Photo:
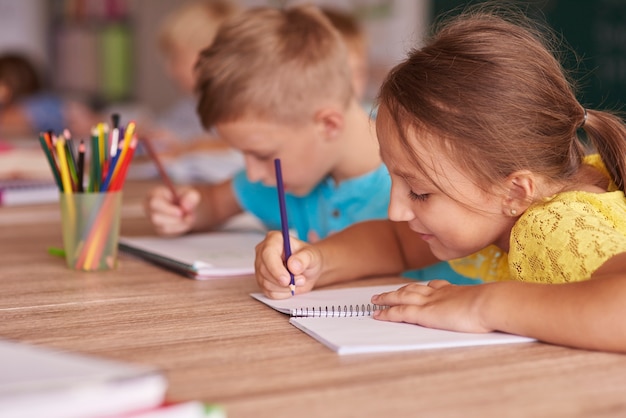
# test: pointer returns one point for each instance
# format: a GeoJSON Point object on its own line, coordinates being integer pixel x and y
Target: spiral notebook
{"type": "Point", "coordinates": [341, 319]}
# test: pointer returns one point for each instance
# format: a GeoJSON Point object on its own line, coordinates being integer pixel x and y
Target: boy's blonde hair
{"type": "Point", "coordinates": [350, 29]}
{"type": "Point", "coordinates": [356, 41]}
{"type": "Point", "coordinates": [276, 65]}
{"type": "Point", "coordinates": [195, 24]}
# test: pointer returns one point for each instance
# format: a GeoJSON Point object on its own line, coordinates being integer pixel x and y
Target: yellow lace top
{"type": "Point", "coordinates": [564, 238]}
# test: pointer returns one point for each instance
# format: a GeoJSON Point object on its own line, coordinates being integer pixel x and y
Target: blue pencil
{"type": "Point", "coordinates": [283, 220]}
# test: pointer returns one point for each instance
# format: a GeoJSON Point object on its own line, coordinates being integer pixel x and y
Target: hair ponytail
{"type": "Point", "coordinates": [607, 133]}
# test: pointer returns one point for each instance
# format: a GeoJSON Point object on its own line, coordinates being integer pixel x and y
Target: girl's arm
{"type": "Point", "coordinates": [371, 248]}
{"type": "Point", "coordinates": [588, 314]}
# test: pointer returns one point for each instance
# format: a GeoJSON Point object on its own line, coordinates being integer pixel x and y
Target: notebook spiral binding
{"type": "Point", "coordinates": [337, 311]}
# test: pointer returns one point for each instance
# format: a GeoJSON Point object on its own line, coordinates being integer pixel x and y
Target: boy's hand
{"type": "Point", "coordinates": [271, 274]}
{"type": "Point", "coordinates": [169, 218]}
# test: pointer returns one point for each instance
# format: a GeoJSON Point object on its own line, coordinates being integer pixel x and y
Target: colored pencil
{"type": "Point", "coordinates": [120, 178]}
{"type": "Point", "coordinates": [128, 135]}
{"type": "Point", "coordinates": [81, 166]}
{"type": "Point", "coordinates": [283, 221]}
{"type": "Point", "coordinates": [63, 166]}
{"type": "Point", "coordinates": [159, 165]}
{"type": "Point", "coordinates": [50, 157]}
{"type": "Point", "coordinates": [115, 134]}
{"type": "Point", "coordinates": [94, 171]}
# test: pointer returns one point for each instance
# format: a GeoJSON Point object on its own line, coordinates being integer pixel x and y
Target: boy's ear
{"type": "Point", "coordinates": [520, 189]}
{"type": "Point", "coordinates": [330, 122]}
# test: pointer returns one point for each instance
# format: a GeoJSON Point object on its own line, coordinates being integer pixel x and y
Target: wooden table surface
{"type": "Point", "coordinates": [216, 344]}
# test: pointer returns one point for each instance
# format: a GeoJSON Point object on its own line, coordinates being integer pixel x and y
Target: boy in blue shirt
{"type": "Point", "coordinates": [277, 84]}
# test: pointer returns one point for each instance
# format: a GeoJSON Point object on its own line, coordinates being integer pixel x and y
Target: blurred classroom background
{"type": "Point", "coordinates": [104, 53]}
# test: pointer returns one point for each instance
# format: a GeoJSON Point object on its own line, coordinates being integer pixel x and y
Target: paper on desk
{"type": "Point", "coordinates": [41, 382]}
{"type": "Point", "coordinates": [202, 255]}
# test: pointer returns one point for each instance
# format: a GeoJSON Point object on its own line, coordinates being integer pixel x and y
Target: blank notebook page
{"type": "Point", "coordinates": [356, 332]}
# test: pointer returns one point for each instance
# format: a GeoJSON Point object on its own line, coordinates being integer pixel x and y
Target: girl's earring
{"type": "Point", "coordinates": [513, 212]}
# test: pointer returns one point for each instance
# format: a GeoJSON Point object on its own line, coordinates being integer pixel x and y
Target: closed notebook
{"type": "Point", "coordinates": [27, 192]}
{"type": "Point", "coordinates": [341, 319]}
{"type": "Point", "coordinates": [42, 382]}
{"type": "Point", "coordinates": [200, 256]}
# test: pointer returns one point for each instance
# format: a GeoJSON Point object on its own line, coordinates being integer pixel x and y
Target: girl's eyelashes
{"type": "Point", "coordinates": [263, 157]}
{"type": "Point", "coordinates": [420, 197]}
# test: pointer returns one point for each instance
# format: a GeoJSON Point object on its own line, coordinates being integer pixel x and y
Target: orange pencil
{"type": "Point", "coordinates": [120, 178]}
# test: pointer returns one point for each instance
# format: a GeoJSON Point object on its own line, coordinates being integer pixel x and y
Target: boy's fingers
{"type": "Point", "coordinates": [165, 207]}
{"type": "Point", "coordinates": [189, 200]}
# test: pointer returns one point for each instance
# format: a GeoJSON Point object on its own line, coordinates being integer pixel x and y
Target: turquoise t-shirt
{"type": "Point", "coordinates": [330, 208]}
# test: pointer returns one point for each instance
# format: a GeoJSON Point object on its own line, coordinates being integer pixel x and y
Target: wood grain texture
{"type": "Point", "coordinates": [217, 344]}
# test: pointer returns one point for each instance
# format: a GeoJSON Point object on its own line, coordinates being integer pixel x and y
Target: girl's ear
{"type": "Point", "coordinates": [520, 189]}
{"type": "Point", "coordinates": [330, 122]}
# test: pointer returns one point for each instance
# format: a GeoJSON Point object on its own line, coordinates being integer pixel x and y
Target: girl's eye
{"type": "Point", "coordinates": [263, 157]}
{"type": "Point", "coordinates": [420, 197]}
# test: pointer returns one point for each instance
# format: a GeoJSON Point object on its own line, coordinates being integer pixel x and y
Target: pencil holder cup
{"type": "Point", "coordinates": [91, 229]}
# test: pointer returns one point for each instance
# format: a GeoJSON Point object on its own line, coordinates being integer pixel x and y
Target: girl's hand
{"type": "Point", "coordinates": [169, 218]}
{"type": "Point", "coordinates": [272, 276]}
{"type": "Point", "coordinates": [435, 305]}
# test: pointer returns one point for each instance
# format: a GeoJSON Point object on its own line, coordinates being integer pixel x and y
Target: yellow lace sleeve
{"type": "Point", "coordinates": [567, 238]}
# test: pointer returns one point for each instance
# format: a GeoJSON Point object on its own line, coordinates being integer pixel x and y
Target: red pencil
{"type": "Point", "coordinates": [162, 172]}
{"type": "Point", "coordinates": [118, 181]}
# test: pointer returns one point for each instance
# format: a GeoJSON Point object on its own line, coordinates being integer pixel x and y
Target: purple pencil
{"type": "Point", "coordinates": [283, 220]}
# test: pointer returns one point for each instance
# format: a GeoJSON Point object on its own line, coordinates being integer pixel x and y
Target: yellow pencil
{"type": "Point", "coordinates": [63, 167]}
{"type": "Point", "coordinates": [101, 145]}
{"type": "Point", "coordinates": [67, 185]}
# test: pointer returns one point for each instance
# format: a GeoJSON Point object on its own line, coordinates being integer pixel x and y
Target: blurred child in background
{"type": "Point", "coordinates": [191, 153]}
{"type": "Point", "coordinates": [27, 107]}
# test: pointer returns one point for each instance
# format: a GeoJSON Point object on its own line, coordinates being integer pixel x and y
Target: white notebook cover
{"type": "Point", "coordinates": [40, 382]}
{"type": "Point", "coordinates": [201, 255]}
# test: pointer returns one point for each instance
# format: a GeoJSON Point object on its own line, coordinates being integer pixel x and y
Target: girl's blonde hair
{"type": "Point", "coordinates": [271, 64]}
{"type": "Point", "coordinates": [488, 84]}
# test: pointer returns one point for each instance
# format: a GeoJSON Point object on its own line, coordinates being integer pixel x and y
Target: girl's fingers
{"type": "Point", "coordinates": [409, 294]}
{"type": "Point", "coordinates": [400, 313]}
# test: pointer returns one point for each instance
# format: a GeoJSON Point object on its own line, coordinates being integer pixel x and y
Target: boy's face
{"type": "Point", "coordinates": [306, 156]}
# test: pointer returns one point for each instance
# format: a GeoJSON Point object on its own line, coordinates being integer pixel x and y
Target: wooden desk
{"type": "Point", "coordinates": [217, 344]}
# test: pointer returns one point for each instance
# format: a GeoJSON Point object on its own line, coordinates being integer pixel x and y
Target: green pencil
{"type": "Point", "coordinates": [51, 161]}
{"type": "Point", "coordinates": [94, 184]}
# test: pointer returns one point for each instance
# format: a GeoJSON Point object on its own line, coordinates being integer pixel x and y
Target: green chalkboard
{"type": "Point", "coordinates": [595, 30]}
